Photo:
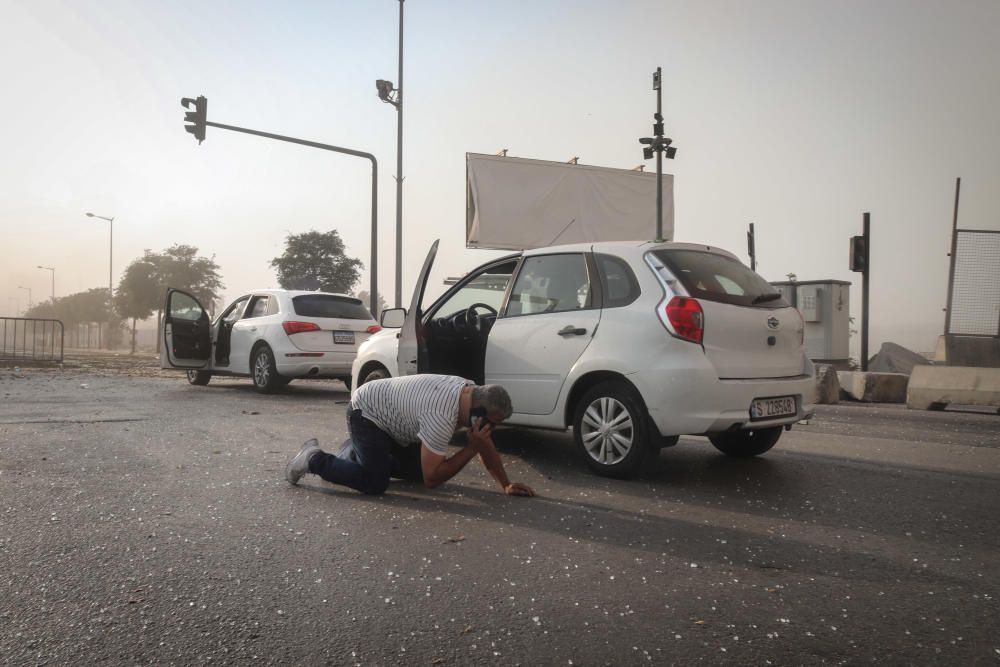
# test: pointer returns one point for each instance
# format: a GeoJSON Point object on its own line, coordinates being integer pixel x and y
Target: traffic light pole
{"type": "Point", "coordinates": [864, 292]}
{"type": "Point", "coordinates": [373, 294]}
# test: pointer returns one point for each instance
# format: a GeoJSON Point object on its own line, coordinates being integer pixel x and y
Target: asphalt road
{"type": "Point", "coordinates": [146, 521]}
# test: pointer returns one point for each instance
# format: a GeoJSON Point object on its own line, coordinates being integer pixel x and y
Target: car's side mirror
{"type": "Point", "coordinates": [393, 318]}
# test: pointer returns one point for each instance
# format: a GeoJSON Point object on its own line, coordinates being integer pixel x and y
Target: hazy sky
{"type": "Point", "coordinates": [797, 116]}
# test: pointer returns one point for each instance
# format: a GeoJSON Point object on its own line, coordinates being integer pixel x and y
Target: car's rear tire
{"type": "Point", "coordinates": [200, 378]}
{"type": "Point", "coordinates": [264, 373]}
{"type": "Point", "coordinates": [347, 382]}
{"type": "Point", "coordinates": [375, 374]}
{"type": "Point", "coordinates": [745, 444]}
{"type": "Point", "coordinates": [611, 428]}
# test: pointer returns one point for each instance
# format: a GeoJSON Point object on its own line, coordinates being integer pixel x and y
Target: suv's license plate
{"type": "Point", "coordinates": [343, 337]}
{"type": "Point", "coordinates": [772, 408]}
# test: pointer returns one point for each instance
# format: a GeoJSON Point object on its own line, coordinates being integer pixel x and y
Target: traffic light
{"type": "Point", "coordinates": [198, 118]}
{"type": "Point", "coordinates": [859, 254]}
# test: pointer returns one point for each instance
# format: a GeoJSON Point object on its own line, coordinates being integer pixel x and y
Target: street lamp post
{"type": "Point", "coordinates": [111, 248]}
{"type": "Point", "coordinates": [29, 295]}
{"type": "Point", "coordinates": [53, 270]}
{"type": "Point", "coordinates": [395, 98]}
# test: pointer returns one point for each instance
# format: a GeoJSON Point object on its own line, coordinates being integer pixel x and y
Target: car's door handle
{"type": "Point", "coordinates": [570, 330]}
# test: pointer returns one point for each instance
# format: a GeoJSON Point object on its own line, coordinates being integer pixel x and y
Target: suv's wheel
{"type": "Point", "coordinates": [199, 378]}
{"type": "Point", "coordinates": [264, 373]}
{"type": "Point", "coordinates": [611, 430]}
{"type": "Point", "coordinates": [744, 444]}
{"type": "Point", "coordinates": [377, 374]}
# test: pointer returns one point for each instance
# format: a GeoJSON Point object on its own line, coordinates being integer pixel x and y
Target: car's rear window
{"type": "Point", "coordinates": [327, 305]}
{"type": "Point", "coordinates": [715, 277]}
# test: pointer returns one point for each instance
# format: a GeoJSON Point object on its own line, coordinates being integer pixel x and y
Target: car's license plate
{"type": "Point", "coordinates": [343, 337]}
{"type": "Point", "coordinates": [772, 408]}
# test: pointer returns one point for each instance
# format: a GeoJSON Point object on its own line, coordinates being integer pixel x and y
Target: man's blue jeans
{"type": "Point", "coordinates": [368, 459]}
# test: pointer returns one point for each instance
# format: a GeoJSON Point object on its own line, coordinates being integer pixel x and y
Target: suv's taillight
{"type": "Point", "coordinates": [373, 329]}
{"type": "Point", "coordinates": [299, 327]}
{"type": "Point", "coordinates": [687, 319]}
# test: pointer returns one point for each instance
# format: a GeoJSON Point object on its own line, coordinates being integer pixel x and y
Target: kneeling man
{"type": "Point", "coordinates": [401, 427]}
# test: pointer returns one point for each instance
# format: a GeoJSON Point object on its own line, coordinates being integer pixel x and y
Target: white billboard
{"type": "Point", "coordinates": [517, 203]}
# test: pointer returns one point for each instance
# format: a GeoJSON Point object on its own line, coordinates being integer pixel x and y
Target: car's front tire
{"type": "Point", "coordinates": [611, 428]}
{"type": "Point", "coordinates": [746, 444]}
{"type": "Point", "coordinates": [264, 372]}
{"type": "Point", "coordinates": [200, 378]}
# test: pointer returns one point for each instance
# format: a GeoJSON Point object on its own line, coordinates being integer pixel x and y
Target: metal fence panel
{"type": "Point", "coordinates": [31, 339]}
{"type": "Point", "coordinates": [975, 295]}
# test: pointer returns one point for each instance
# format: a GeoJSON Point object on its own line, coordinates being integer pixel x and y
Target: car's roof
{"type": "Point", "coordinates": [295, 293]}
{"type": "Point", "coordinates": [611, 246]}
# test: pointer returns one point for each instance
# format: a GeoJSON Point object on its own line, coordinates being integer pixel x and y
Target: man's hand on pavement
{"type": "Point", "coordinates": [518, 489]}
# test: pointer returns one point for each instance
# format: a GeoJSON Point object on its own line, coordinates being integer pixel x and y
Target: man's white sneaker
{"type": "Point", "coordinates": [299, 465]}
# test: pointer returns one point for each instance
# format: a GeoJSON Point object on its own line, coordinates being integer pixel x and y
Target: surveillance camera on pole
{"type": "Point", "coordinates": [386, 93]}
{"type": "Point", "coordinates": [658, 145]}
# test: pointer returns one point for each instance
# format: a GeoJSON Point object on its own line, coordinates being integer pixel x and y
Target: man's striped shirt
{"type": "Point", "coordinates": [413, 408]}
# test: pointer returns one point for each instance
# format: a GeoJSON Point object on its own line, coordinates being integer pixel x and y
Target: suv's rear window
{"type": "Point", "coordinates": [715, 277]}
{"type": "Point", "coordinates": [327, 305]}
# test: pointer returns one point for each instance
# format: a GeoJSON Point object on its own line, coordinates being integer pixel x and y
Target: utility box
{"type": "Point", "coordinates": [825, 306]}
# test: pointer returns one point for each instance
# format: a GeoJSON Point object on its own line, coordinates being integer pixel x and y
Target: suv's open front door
{"type": "Point", "coordinates": [411, 355]}
{"type": "Point", "coordinates": [186, 331]}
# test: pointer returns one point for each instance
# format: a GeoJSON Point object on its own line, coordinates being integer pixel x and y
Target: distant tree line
{"type": "Point", "coordinates": [139, 294]}
{"type": "Point", "coordinates": [311, 261]}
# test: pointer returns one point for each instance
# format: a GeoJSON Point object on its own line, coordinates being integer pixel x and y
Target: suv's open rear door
{"type": "Point", "coordinates": [411, 355]}
{"type": "Point", "coordinates": [187, 341]}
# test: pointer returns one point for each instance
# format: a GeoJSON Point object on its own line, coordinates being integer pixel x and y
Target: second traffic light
{"type": "Point", "coordinates": [859, 254]}
{"type": "Point", "coordinates": [198, 117]}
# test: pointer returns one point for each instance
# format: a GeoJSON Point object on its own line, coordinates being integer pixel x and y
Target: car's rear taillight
{"type": "Point", "coordinates": [299, 327]}
{"type": "Point", "coordinates": [802, 328]}
{"type": "Point", "coordinates": [373, 329]}
{"type": "Point", "coordinates": [687, 319]}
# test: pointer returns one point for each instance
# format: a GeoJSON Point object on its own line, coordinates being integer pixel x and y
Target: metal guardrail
{"type": "Point", "coordinates": [31, 339]}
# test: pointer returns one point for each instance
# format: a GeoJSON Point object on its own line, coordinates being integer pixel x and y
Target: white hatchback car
{"type": "Point", "coordinates": [272, 336]}
{"type": "Point", "coordinates": [631, 344]}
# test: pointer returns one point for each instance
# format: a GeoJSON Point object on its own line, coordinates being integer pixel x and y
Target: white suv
{"type": "Point", "coordinates": [271, 335]}
{"type": "Point", "coordinates": [631, 344]}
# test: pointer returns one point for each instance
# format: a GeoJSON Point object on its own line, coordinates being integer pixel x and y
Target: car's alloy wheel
{"type": "Point", "coordinates": [200, 378]}
{"type": "Point", "coordinates": [265, 375]}
{"type": "Point", "coordinates": [607, 431]}
{"type": "Point", "coordinates": [744, 444]}
{"type": "Point", "coordinates": [611, 429]}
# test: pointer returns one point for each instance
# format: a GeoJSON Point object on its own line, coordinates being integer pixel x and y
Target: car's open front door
{"type": "Point", "coordinates": [411, 356]}
{"type": "Point", "coordinates": [185, 331]}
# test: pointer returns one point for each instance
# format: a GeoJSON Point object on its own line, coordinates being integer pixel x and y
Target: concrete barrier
{"type": "Point", "coordinates": [934, 387]}
{"type": "Point", "coordinates": [827, 384]}
{"type": "Point", "coordinates": [873, 387]}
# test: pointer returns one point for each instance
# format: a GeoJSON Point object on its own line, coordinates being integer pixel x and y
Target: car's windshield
{"type": "Point", "coordinates": [488, 287]}
{"type": "Point", "coordinates": [715, 277]}
{"type": "Point", "coordinates": [329, 305]}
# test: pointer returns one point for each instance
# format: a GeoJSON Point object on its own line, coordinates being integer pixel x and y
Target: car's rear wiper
{"type": "Point", "coordinates": [764, 298]}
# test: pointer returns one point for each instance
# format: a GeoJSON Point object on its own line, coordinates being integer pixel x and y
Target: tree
{"type": "Point", "coordinates": [88, 308]}
{"type": "Point", "coordinates": [179, 266]}
{"type": "Point", "coordinates": [316, 260]}
{"type": "Point", "coordinates": [379, 306]}
{"type": "Point", "coordinates": [139, 292]}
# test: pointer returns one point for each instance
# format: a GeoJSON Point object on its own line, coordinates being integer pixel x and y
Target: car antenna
{"type": "Point", "coordinates": [561, 232]}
